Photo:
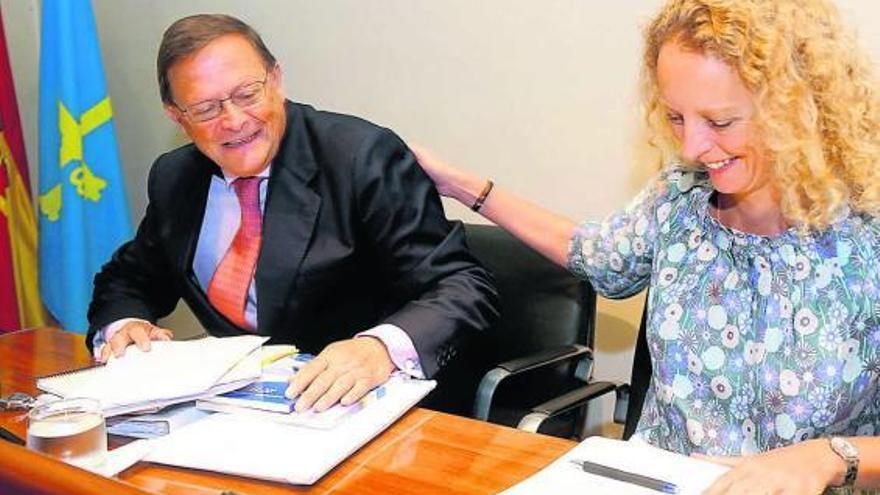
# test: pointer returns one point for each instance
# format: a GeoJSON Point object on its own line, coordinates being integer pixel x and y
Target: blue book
{"type": "Point", "coordinates": [155, 424]}
{"type": "Point", "coordinates": [262, 395]}
{"type": "Point", "coordinates": [265, 397]}
{"type": "Point", "coordinates": [272, 411]}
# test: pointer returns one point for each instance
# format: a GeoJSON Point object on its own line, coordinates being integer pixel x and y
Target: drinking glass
{"type": "Point", "coordinates": [72, 430]}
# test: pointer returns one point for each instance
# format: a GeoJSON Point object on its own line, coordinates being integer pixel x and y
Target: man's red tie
{"type": "Point", "coordinates": [229, 285]}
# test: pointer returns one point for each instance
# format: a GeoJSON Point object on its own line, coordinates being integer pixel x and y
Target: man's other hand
{"type": "Point", "coordinates": [343, 372]}
{"type": "Point", "coordinates": [137, 332]}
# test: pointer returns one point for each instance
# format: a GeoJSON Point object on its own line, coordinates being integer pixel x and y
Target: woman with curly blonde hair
{"type": "Point", "coordinates": [814, 92]}
{"type": "Point", "coordinates": [759, 239]}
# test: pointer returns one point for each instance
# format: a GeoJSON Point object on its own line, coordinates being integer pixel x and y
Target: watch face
{"type": "Point", "coordinates": [844, 448]}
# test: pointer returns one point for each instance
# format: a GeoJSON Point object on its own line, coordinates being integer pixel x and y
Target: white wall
{"type": "Point", "coordinates": [538, 94]}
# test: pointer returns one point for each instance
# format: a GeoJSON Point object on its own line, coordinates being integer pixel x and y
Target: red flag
{"type": "Point", "coordinates": [20, 304]}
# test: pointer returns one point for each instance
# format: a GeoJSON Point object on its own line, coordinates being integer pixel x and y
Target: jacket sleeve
{"type": "Point", "coordinates": [443, 295]}
{"type": "Point", "coordinates": [137, 282]}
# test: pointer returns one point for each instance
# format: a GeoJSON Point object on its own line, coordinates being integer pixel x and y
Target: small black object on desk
{"type": "Point", "coordinates": [10, 437]}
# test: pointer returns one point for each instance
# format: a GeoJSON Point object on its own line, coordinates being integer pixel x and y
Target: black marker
{"type": "Point", "coordinates": [626, 476]}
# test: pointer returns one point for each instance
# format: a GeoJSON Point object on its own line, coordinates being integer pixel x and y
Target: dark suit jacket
{"type": "Point", "coordinates": [353, 235]}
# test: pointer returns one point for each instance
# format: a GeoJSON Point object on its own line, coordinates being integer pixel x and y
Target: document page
{"type": "Point", "coordinates": [169, 370]}
{"type": "Point", "coordinates": [248, 445]}
{"type": "Point", "coordinates": [689, 475]}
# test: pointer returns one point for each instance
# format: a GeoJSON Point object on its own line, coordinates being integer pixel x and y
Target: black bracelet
{"type": "Point", "coordinates": [483, 195]}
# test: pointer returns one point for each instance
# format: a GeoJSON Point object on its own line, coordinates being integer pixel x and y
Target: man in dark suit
{"type": "Point", "coordinates": [313, 228]}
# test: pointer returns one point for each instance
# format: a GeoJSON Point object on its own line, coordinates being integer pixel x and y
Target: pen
{"type": "Point", "coordinates": [9, 436]}
{"type": "Point", "coordinates": [626, 476]}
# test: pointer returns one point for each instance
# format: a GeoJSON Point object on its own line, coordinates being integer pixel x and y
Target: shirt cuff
{"type": "Point", "coordinates": [104, 335]}
{"type": "Point", "coordinates": [400, 347]}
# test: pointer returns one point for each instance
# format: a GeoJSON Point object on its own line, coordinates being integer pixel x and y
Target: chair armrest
{"type": "Point", "coordinates": [496, 375]}
{"type": "Point", "coordinates": [574, 399]}
{"type": "Point", "coordinates": [621, 405]}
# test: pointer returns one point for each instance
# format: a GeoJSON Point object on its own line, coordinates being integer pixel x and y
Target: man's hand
{"type": "Point", "coordinates": [804, 468]}
{"type": "Point", "coordinates": [343, 372]}
{"type": "Point", "coordinates": [137, 332]}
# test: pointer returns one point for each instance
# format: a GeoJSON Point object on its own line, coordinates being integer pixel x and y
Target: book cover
{"type": "Point", "coordinates": [330, 418]}
{"type": "Point", "coordinates": [155, 424]}
{"type": "Point", "coordinates": [263, 395]}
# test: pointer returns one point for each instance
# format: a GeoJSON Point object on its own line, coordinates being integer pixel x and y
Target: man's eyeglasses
{"type": "Point", "coordinates": [246, 95]}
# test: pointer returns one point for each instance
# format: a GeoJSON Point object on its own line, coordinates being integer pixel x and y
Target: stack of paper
{"type": "Point", "coordinates": [171, 372]}
{"type": "Point", "coordinates": [565, 475]}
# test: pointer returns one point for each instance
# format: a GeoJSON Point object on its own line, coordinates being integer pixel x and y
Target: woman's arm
{"type": "Point", "coordinates": [806, 467]}
{"type": "Point", "coordinates": [543, 230]}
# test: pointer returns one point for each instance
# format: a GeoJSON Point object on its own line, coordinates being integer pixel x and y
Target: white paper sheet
{"type": "Point", "coordinates": [247, 446]}
{"type": "Point", "coordinates": [171, 372]}
{"type": "Point", "coordinates": [691, 475]}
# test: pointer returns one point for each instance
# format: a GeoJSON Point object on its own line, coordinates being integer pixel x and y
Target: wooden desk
{"type": "Point", "coordinates": [425, 452]}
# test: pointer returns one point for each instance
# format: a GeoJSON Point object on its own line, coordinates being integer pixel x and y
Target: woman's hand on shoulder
{"type": "Point", "coordinates": [450, 181]}
{"type": "Point", "coordinates": [805, 468]}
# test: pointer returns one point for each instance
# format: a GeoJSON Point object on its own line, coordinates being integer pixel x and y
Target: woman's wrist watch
{"type": "Point", "coordinates": [850, 455]}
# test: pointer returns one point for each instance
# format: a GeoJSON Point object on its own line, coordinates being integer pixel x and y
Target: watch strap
{"type": "Point", "coordinates": [850, 455]}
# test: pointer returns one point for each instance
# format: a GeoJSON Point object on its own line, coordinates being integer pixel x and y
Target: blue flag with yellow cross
{"type": "Point", "coordinates": [82, 206]}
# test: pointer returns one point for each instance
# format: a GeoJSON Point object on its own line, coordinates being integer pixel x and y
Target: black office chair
{"type": "Point", "coordinates": [640, 377]}
{"type": "Point", "coordinates": [541, 348]}
{"type": "Point", "coordinates": [630, 397]}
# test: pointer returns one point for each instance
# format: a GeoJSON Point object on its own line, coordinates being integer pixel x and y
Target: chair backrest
{"type": "Point", "coordinates": [542, 307]}
{"type": "Point", "coordinates": [542, 304]}
{"type": "Point", "coordinates": [639, 378]}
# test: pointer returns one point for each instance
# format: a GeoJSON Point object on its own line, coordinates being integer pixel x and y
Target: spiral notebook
{"type": "Point", "coordinates": [170, 373]}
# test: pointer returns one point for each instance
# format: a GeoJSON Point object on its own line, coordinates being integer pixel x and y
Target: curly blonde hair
{"type": "Point", "coordinates": [815, 92]}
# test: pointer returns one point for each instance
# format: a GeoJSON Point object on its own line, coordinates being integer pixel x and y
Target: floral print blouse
{"type": "Point", "coordinates": [757, 342]}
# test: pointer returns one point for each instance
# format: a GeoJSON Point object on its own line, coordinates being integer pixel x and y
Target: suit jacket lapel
{"type": "Point", "coordinates": [288, 222]}
{"type": "Point", "coordinates": [192, 218]}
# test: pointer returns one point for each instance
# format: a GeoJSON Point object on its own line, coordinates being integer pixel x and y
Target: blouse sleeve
{"type": "Point", "coordinates": [616, 254]}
